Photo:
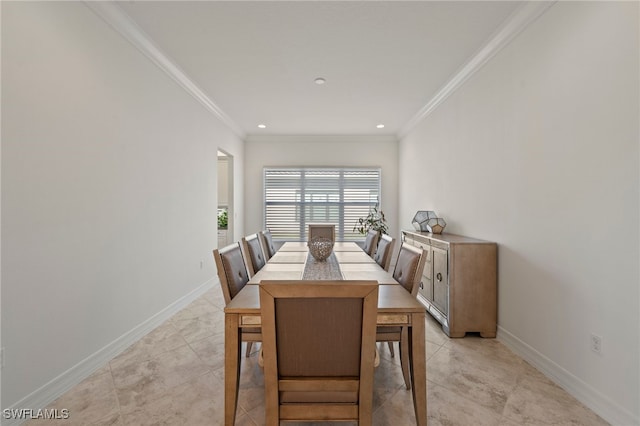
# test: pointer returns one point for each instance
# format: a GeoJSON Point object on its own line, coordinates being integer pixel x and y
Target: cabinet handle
{"type": "Point", "coordinates": [421, 285]}
{"type": "Point", "coordinates": [439, 277]}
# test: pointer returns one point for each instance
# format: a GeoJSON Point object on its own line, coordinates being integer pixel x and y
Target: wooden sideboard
{"type": "Point", "coordinates": [459, 282]}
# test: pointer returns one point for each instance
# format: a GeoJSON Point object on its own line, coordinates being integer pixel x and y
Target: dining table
{"type": "Point", "coordinates": [396, 307]}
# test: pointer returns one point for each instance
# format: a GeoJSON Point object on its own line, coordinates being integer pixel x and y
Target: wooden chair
{"type": "Point", "coordinates": [384, 251]}
{"type": "Point", "coordinates": [318, 350]}
{"type": "Point", "coordinates": [233, 275]}
{"type": "Point", "coordinates": [371, 242]}
{"type": "Point", "coordinates": [325, 230]}
{"type": "Point", "coordinates": [408, 272]}
{"type": "Point", "coordinates": [268, 247]}
{"type": "Point", "coordinates": [254, 254]}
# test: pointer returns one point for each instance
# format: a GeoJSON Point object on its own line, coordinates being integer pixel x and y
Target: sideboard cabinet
{"type": "Point", "coordinates": [459, 282]}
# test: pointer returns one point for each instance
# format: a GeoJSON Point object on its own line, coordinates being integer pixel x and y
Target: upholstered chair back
{"type": "Point", "coordinates": [268, 247]}
{"type": "Point", "coordinates": [324, 230]}
{"type": "Point", "coordinates": [409, 265]}
{"type": "Point", "coordinates": [371, 242]}
{"type": "Point", "coordinates": [300, 353]}
{"type": "Point", "coordinates": [384, 251]}
{"type": "Point", "coordinates": [253, 251]}
{"type": "Point", "coordinates": [232, 270]}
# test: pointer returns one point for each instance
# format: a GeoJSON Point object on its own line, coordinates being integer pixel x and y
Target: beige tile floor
{"type": "Point", "coordinates": [174, 376]}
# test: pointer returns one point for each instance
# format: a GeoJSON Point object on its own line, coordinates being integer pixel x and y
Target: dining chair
{"type": "Point", "coordinates": [408, 272]}
{"type": "Point", "coordinates": [233, 275]}
{"type": "Point", "coordinates": [268, 247]}
{"type": "Point", "coordinates": [384, 251]}
{"type": "Point", "coordinates": [318, 350]}
{"type": "Point", "coordinates": [325, 230]}
{"type": "Point", "coordinates": [371, 242]}
{"type": "Point", "coordinates": [253, 253]}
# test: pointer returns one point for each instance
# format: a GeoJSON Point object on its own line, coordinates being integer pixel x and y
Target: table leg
{"type": "Point", "coordinates": [418, 365]}
{"type": "Point", "coordinates": [232, 350]}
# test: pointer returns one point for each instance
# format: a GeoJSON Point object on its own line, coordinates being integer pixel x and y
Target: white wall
{"type": "Point", "coordinates": [108, 190]}
{"type": "Point", "coordinates": [539, 152]}
{"type": "Point", "coordinates": [319, 151]}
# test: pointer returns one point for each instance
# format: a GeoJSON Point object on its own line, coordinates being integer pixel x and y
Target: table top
{"type": "Point", "coordinates": [353, 257]}
{"type": "Point", "coordinates": [294, 246]}
{"type": "Point", "coordinates": [391, 299]}
{"type": "Point", "coordinates": [302, 246]}
{"type": "Point", "coordinates": [382, 276]}
{"type": "Point", "coordinates": [354, 265]}
{"type": "Point", "coordinates": [350, 271]}
{"type": "Point", "coordinates": [289, 257]}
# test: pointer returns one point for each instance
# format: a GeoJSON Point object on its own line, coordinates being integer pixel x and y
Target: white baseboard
{"type": "Point", "coordinates": [51, 391]}
{"type": "Point", "coordinates": [586, 394]}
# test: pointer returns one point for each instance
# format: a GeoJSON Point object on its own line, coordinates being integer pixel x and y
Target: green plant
{"type": "Point", "coordinates": [223, 219]}
{"type": "Point", "coordinates": [374, 220]}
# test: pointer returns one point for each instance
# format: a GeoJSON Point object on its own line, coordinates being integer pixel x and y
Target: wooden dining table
{"type": "Point", "coordinates": [396, 307]}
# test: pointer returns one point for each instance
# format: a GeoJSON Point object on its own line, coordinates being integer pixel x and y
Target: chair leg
{"type": "Point", "coordinates": [272, 415]}
{"type": "Point", "coordinates": [404, 356]}
{"type": "Point", "coordinates": [391, 348]}
{"type": "Point", "coordinates": [249, 344]}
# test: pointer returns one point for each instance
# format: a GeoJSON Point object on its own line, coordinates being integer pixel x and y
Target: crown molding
{"type": "Point", "coordinates": [117, 18]}
{"type": "Point", "coordinates": [514, 25]}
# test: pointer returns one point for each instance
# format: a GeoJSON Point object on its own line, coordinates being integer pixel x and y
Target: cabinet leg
{"type": "Point", "coordinates": [488, 334]}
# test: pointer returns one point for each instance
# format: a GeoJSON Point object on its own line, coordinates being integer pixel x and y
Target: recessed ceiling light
{"type": "Point", "coordinates": [320, 80]}
{"type": "Point", "coordinates": [380, 126]}
{"type": "Point", "coordinates": [262, 126]}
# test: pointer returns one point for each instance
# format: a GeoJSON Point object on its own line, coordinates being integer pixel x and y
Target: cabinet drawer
{"type": "Point", "coordinates": [420, 244]}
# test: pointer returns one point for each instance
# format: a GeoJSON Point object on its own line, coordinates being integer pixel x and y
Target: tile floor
{"type": "Point", "coordinates": [174, 376]}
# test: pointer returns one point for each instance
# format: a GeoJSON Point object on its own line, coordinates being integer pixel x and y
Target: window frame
{"type": "Point", "coordinates": [344, 229]}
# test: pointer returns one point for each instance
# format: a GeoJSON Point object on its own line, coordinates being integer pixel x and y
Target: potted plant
{"type": "Point", "coordinates": [223, 219]}
{"type": "Point", "coordinates": [374, 220]}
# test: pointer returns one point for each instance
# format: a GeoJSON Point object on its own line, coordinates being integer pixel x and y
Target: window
{"type": "Point", "coordinates": [294, 197]}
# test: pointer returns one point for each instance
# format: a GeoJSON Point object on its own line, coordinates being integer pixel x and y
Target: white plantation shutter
{"type": "Point", "coordinates": [295, 197]}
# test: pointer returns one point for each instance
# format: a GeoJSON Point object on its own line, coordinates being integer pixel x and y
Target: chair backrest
{"type": "Point", "coordinates": [318, 342]}
{"type": "Point", "coordinates": [254, 254]}
{"type": "Point", "coordinates": [325, 230]}
{"type": "Point", "coordinates": [268, 247]}
{"type": "Point", "coordinates": [371, 242]}
{"type": "Point", "coordinates": [232, 270]}
{"type": "Point", "coordinates": [384, 251]}
{"type": "Point", "coordinates": [409, 266]}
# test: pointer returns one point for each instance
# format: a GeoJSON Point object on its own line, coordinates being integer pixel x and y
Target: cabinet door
{"type": "Point", "coordinates": [426, 284]}
{"type": "Point", "coordinates": [441, 280]}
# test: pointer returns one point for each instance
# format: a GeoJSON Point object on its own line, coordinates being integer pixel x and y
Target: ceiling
{"type": "Point", "coordinates": [257, 61]}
